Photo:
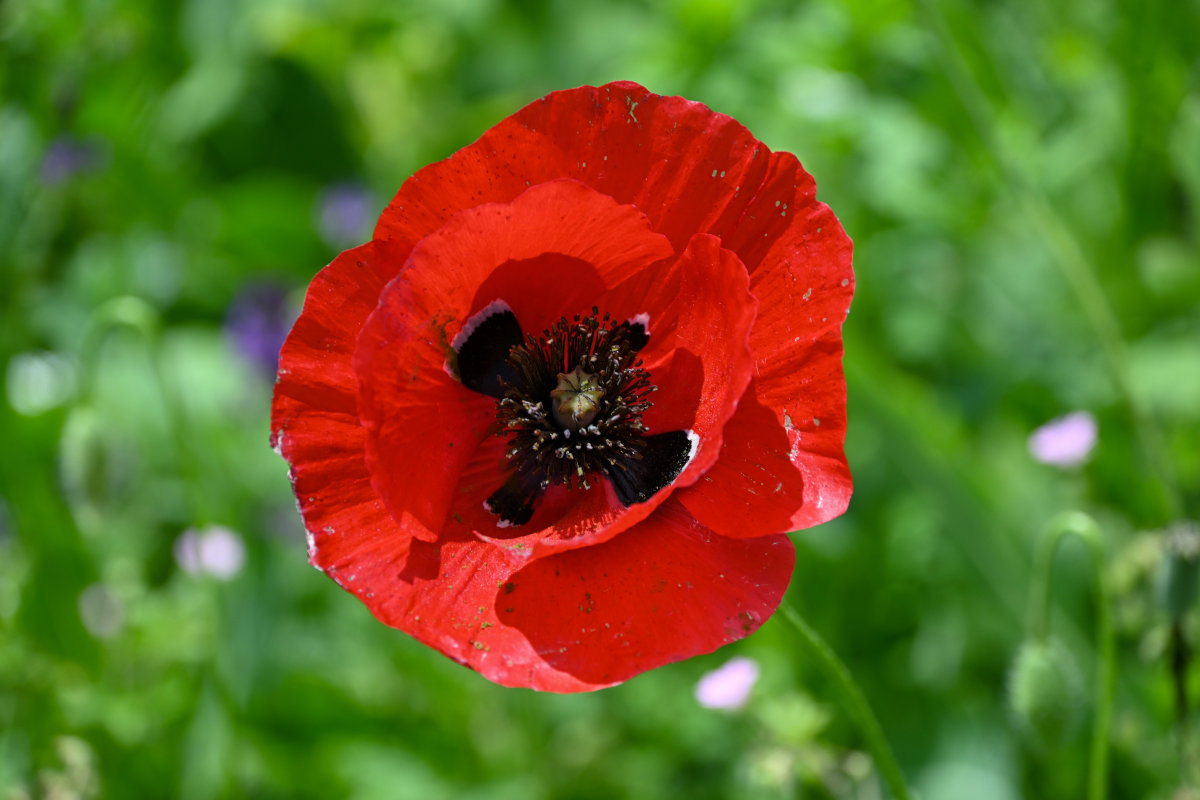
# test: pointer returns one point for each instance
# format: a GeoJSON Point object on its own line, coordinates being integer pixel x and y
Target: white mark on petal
{"type": "Point", "coordinates": [642, 319]}
{"type": "Point", "coordinates": [490, 310]}
{"type": "Point", "coordinates": [694, 439]}
{"type": "Point", "coordinates": [500, 523]}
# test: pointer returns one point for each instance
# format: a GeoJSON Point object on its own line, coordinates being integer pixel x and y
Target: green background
{"type": "Point", "coordinates": [1022, 182]}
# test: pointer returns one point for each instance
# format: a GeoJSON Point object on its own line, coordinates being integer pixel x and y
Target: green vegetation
{"type": "Point", "coordinates": [1022, 182]}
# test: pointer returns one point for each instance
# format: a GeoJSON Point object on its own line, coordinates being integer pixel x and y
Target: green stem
{"type": "Point", "coordinates": [120, 312]}
{"type": "Point", "coordinates": [140, 317]}
{"type": "Point", "coordinates": [855, 703]}
{"type": "Point", "coordinates": [1065, 250]}
{"type": "Point", "coordinates": [1083, 526]}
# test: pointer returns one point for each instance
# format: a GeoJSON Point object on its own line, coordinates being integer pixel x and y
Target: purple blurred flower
{"type": "Point", "coordinates": [215, 551]}
{"type": "Point", "coordinates": [258, 322]}
{"type": "Point", "coordinates": [728, 687]}
{"type": "Point", "coordinates": [68, 156]}
{"type": "Point", "coordinates": [346, 213]}
{"type": "Point", "coordinates": [1065, 441]}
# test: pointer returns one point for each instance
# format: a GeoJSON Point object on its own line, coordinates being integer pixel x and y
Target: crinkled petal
{"type": "Point", "coordinates": [783, 466]}
{"type": "Point", "coordinates": [680, 583]}
{"type": "Point", "coordinates": [423, 426]}
{"type": "Point", "coordinates": [690, 170]}
{"type": "Point", "coordinates": [443, 595]}
{"type": "Point", "coordinates": [700, 313]}
{"type": "Point", "coordinates": [314, 415]}
{"type": "Point", "coordinates": [666, 590]}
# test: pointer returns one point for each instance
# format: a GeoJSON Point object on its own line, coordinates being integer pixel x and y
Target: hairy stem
{"type": "Point", "coordinates": [1083, 526]}
{"type": "Point", "coordinates": [854, 702]}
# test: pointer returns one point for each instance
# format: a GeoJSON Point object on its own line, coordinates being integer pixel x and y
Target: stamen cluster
{"type": "Point", "coordinates": [543, 449]}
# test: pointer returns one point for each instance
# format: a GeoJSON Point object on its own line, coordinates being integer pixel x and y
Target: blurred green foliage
{"type": "Point", "coordinates": [996, 164]}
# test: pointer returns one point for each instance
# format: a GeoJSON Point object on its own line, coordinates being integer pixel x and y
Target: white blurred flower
{"type": "Point", "coordinates": [214, 550]}
{"type": "Point", "coordinates": [728, 686]}
{"type": "Point", "coordinates": [38, 382]}
{"type": "Point", "coordinates": [1065, 441]}
{"type": "Point", "coordinates": [101, 612]}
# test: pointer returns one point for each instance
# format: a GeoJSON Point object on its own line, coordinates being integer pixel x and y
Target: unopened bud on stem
{"type": "Point", "coordinates": [1179, 575]}
{"type": "Point", "coordinates": [1045, 691]}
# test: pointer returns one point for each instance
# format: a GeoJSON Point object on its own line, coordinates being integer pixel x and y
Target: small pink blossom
{"type": "Point", "coordinates": [728, 687]}
{"type": "Point", "coordinates": [214, 550]}
{"type": "Point", "coordinates": [1065, 441]}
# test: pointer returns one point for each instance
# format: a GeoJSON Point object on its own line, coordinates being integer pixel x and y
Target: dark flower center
{"type": "Point", "coordinates": [570, 404]}
{"type": "Point", "coordinates": [574, 409]}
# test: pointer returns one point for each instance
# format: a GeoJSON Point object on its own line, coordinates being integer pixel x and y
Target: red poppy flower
{"type": "Point", "coordinates": [555, 419]}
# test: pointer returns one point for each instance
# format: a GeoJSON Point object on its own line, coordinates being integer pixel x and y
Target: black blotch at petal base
{"type": "Point", "coordinates": [482, 356]}
{"type": "Point", "coordinates": [638, 337]}
{"type": "Point", "coordinates": [664, 457]}
{"type": "Point", "coordinates": [513, 502]}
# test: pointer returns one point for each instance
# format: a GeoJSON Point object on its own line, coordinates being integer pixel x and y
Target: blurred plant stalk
{"type": "Point", "coordinates": [1067, 253]}
{"type": "Point", "coordinates": [1082, 525]}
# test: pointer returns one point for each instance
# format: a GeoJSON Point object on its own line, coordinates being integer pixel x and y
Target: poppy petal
{"type": "Point", "coordinates": [698, 353]}
{"type": "Point", "coordinates": [662, 592]}
{"type": "Point", "coordinates": [665, 590]}
{"type": "Point", "coordinates": [560, 516]}
{"type": "Point", "coordinates": [514, 501]}
{"type": "Point", "coordinates": [783, 465]}
{"type": "Point", "coordinates": [688, 168]}
{"type": "Point", "coordinates": [422, 427]}
{"type": "Point", "coordinates": [444, 595]}
{"type": "Point", "coordinates": [698, 356]}
{"type": "Point", "coordinates": [314, 414]}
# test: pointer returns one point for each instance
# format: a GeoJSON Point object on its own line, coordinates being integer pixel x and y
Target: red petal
{"type": "Point", "coordinates": [314, 415]}
{"type": "Point", "coordinates": [424, 427]}
{"type": "Point", "coordinates": [700, 316]}
{"type": "Point", "coordinates": [688, 168]}
{"type": "Point", "coordinates": [666, 590]}
{"type": "Point", "coordinates": [562, 519]}
{"type": "Point", "coordinates": [783, 465]}
{"type": "Point", "coordinates": [443, 595]}
{"type": "Point", "coordinates": [691, 170]}
{"type": "Point", "coordinates": [700, 312]}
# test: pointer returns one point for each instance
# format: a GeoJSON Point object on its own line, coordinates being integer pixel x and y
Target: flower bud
{"type": "Point", "coordinates": [1179, 572]}
{"type": "Point", "coordinates": [1045, 692]}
